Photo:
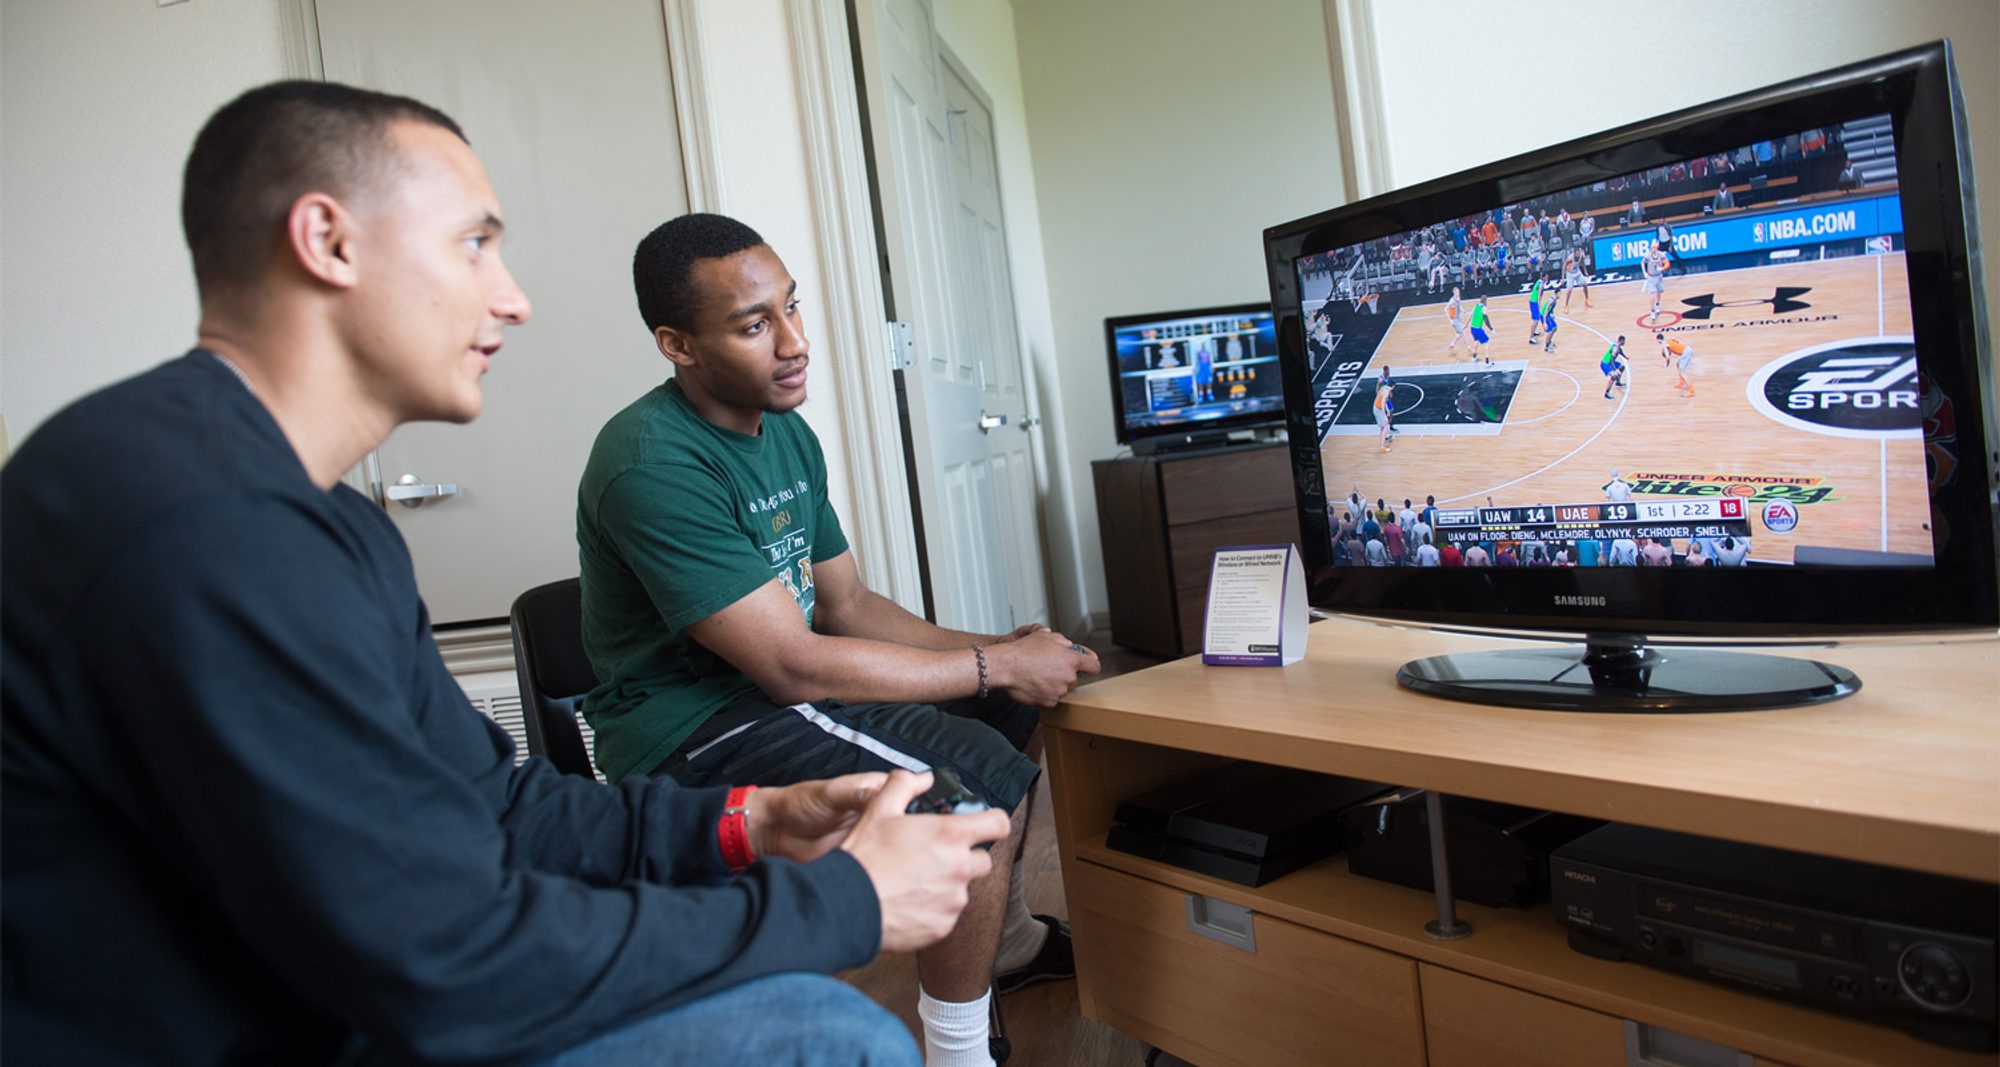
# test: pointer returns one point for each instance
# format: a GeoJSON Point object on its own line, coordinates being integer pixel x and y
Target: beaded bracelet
{"type": "Point", "coordinates": [979, 653]}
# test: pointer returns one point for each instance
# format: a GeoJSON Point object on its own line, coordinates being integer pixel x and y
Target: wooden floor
{"type": "Point", "coordinates": [1562, 439]}
{"type": "Point", "coordinates": [1043, 1020]}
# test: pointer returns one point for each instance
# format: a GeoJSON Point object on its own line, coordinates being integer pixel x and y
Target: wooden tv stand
{"type": "Point", "coordinates": [1905, 773]}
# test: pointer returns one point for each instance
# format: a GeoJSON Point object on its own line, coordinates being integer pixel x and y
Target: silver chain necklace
{"type": "Point", "coordinates": [234, 369]}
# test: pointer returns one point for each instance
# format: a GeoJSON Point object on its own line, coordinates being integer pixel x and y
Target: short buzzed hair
{"type": "Point", "coordinates": [664, 261]}
{"type": "Point", "coordinates": [263, 150]}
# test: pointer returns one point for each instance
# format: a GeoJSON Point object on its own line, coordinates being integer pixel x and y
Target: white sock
{"type": "Point", "coordinates": [955, 1033]}
{"type": "Point", "coordinates": [1021, 936]}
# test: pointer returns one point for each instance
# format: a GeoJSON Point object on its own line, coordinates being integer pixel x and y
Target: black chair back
{"type": "Point", "coordinates": [554, 671]}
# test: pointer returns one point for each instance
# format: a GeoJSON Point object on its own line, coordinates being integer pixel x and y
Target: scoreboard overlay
{"type": "Point", "coordinates": [1659, 520]}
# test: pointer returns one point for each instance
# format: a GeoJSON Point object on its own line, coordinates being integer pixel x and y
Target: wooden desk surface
{"type": "Point", "coordinates": [1906, 772]}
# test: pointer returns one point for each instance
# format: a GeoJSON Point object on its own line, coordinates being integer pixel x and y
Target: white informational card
{"type": "Point", "coordinates": [1256, 607]}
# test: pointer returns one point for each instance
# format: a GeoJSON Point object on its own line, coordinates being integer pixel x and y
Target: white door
{"type": "Point", "coordinates": [571, 107]}
{"type": "Point", "coordinates": [979, 516]}
{"type": "Point", "coordinates": [987, 334]}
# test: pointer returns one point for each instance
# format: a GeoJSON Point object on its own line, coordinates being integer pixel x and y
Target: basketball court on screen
{"type": "Point", "coordinates": [1534, 427]}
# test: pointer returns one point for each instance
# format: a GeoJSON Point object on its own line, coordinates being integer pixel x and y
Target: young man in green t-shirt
{"type": "Point", "coordinates": [729, 626]}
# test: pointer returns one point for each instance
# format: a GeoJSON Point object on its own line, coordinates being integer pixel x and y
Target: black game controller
{"type": "Point", "coordinates": [948, 796]}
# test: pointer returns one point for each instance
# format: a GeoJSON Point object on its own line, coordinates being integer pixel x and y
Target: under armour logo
{"type": "Point", "coordinates": [1783, 299]}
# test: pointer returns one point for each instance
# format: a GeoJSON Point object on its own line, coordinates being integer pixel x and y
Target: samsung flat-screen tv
{"type": "Point", "coordinates": [1192, 377]}
{"type": "Point", "coordinates": [1723, 374]}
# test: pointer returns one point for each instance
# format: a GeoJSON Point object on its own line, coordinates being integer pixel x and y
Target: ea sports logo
{"type": "Point", "coordinates": [1780, 516]}
{"type": "Point", "coordinates": [1863, 387]}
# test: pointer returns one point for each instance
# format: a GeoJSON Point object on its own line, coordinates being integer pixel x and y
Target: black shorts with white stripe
{"type": "Point", "coordinates": [754, 741]}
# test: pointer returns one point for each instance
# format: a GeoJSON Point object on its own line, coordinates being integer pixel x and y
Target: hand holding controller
{"type": "Point", "coordinates": [948, 796]}
{"type": "Point", "coordinates": [920, 867]}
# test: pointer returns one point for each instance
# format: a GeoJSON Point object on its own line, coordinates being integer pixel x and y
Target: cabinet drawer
{"type": "Point", "coordinates": [1216, 486]}
{"type": "Point", "coordinates": [1301, 996]}
{"type": "Point", "coordinates": [1193, 546]}
{"type": "Point", "coordinates": [1470, 1022]}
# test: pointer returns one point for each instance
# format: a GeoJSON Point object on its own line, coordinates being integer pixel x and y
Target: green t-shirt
{"type": "Point", "coordinates": [677, 519]}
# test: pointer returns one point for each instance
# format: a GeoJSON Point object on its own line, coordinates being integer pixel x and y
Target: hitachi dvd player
{"type": "Point", "coordinates": [1903, 948]}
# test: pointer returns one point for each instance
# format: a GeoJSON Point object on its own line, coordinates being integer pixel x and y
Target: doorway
{"type": "Point", "coordinates": [972, 425]}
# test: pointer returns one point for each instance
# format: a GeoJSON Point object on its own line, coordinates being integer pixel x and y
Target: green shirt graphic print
{"type": "Point", "coordinates": [677, 519]}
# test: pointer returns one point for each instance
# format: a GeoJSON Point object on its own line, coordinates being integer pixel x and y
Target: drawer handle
{"type": "Point", "coordinates": [1652, 1046]}
{"type": "Point", "coordinates": [1219, 920]}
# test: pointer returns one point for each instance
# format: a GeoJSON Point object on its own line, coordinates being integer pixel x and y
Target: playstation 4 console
{"type": "Point", "coordinates": [1242, 822]}
{"type": "Point", "coordinates": [1499, 853]}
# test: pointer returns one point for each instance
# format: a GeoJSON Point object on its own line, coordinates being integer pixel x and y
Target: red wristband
{"type": "Point", "coordinates": [731, 831]}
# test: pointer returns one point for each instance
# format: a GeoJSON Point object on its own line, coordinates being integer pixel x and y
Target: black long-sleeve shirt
{"type": "Point", "coordinates": [250, 817]}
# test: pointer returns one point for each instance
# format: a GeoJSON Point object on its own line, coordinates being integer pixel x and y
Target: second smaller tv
{"type": "Point", "coordinates": [1183, 378]}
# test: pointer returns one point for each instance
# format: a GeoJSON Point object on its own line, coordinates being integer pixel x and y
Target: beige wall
{"type": "Point", "coordinates": [99, 103]}
{"type": "Point", "coordinates": [1443, 117]}
{"type": "Point", "coordinates": [1166, 134]}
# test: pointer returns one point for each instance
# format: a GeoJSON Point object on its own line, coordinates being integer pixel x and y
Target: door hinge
{"type": "Point", "coordinates": [902, 345]}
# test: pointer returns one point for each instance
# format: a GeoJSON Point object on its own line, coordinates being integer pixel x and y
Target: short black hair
{"type": "Point", "coordinates": [272, 145]}
{"type": "Point", "coordinates": [665, 258]}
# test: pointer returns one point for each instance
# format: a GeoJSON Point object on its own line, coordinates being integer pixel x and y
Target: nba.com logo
{"type": "Point", "coordinates": [1757, 233]}
{"type": "Point", "coordinates": [1860, 387]}
{"type": "Point", "coordinates": [1781, 516]}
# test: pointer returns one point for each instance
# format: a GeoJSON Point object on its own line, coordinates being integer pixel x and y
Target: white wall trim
{"type": "Point", "coordinates": [882, 528]}
{"type": "Point", "coordinates": [693, 105]}
{"type": "Point", "coordinates": [1357, 97]}
{"type": "Point", "coordinates": [300, 19]}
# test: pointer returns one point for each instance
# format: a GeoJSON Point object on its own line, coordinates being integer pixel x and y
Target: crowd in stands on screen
{"type": "Point", "coordinates": [1381, 536]}
{"type": "Point", "coordinates": [1503, 246]}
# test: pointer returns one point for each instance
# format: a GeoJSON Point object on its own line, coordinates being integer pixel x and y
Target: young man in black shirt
{"type": "Point", "coordinates": [250, 817]}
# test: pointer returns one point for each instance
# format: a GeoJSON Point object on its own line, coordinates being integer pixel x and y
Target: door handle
{"type": "Point", "coordinates": [411, 493]}
{"type": "Point", "coordinates": [989, 423]}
